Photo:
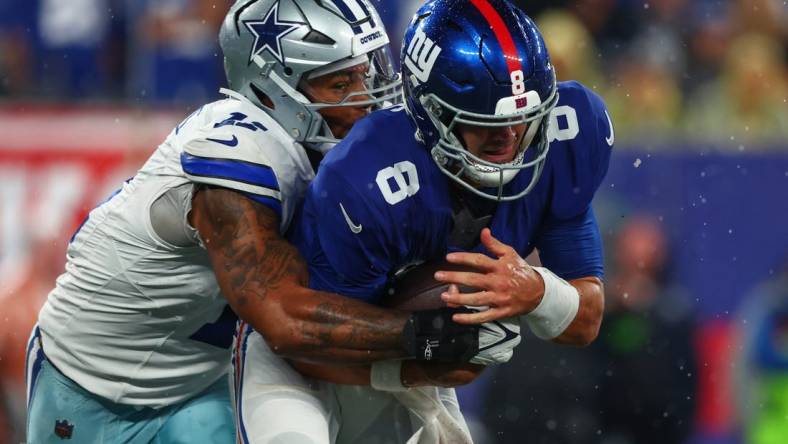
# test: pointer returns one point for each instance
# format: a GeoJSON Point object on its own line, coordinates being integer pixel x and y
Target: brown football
{"type": "Point", "coordinates": [416, 289]}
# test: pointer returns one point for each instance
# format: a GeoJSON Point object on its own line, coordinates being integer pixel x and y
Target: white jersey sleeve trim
{"type": "Point", "coordinates": [243, 167]}
{"type": "Point", "coordinates": [235, 185]}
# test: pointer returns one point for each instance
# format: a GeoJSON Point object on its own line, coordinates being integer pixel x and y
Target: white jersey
{"type": "Point", "coordinates": [136, 316]}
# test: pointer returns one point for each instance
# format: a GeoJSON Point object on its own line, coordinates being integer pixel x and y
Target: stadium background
{"type": "Point", "coordinates": [694, 211]}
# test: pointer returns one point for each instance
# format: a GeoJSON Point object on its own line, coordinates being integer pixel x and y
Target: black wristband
{"type": "Point", "coordinates": [431, 335]}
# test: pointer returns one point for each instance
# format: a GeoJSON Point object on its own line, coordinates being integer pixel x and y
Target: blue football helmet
{"type": "Point", "coordinates": [481, 63]}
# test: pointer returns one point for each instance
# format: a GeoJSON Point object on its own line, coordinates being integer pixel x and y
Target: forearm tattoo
{"type": "Point", "coordinates": [257, 262]}
{"type": "Point", "coordinates": [255, 259]}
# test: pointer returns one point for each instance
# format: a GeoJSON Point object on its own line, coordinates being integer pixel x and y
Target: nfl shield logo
{"type": "Point", "coordinates": [63, 429]}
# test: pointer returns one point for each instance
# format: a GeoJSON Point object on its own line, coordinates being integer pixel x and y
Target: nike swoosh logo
{"type": "Point", "coordinates": [353, 227]}
{"type": "Point", "coordinates": [612, 138]}
{"type": "Point", "coordinates": [508, 335]}
{"type": "Point", "coordinates": [232, 142]}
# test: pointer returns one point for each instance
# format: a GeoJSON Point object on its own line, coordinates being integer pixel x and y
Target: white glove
{"type": "Point", "coordinates": [439, 425]}
{"type": "Point", "coordinates": [497, 339]}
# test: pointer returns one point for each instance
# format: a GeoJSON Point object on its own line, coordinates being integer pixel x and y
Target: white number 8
{"type": "Point", "coordinates": [555, 132]}
{"type": "Point", "coordinates": [518, 85]}
{"type": "Point", "coordinates": [404, 174]}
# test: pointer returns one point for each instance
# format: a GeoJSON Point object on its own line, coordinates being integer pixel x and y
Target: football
{"type": "Point", "coordinates": [416, 289]}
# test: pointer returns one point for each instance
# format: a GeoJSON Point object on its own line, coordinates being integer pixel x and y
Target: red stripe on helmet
{"type": "Point", "coordinates": [501, 32]}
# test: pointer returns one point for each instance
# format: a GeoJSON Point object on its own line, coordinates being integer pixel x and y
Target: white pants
{"type": "Point", "coordinates": [274, 404]}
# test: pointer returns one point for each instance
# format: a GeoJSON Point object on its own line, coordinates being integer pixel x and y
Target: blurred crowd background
{"type": "Point", "coordinates": [694, 212]}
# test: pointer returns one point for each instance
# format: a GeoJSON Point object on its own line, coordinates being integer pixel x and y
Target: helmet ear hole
{"type": "Point", "coordinates": [453, 25]}
{"type": "Point", "coordinates": [319, 38]}
{"type": "Point", "coordinates": [288, 71]}
{"type": "Point", "coordinates": [262, 97]}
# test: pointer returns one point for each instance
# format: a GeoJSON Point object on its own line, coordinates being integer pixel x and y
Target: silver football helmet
{"type": "Point", "coordinates": [272, 46]}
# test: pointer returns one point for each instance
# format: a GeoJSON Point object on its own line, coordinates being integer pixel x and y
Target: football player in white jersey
{"type": "Point", "coordinates": [133, 343]}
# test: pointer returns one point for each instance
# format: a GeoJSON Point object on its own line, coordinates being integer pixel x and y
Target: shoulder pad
{"type": "Point", "coordinates": [237, 146]}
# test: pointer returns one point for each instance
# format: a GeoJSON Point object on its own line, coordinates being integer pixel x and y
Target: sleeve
{"type": "Point", "coordinates": [341, 232]}
{"type": "Point", "coordinates": [572, 248]}
{"type": "Point", "coordinates": [579, 166]}
{"type": "Point", "coordinates": [228, 157]}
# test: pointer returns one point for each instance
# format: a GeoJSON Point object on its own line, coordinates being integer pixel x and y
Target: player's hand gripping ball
{"type": "Point", "coordinates": [415, 289]}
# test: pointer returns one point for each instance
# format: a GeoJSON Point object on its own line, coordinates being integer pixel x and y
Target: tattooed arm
{"type": "Point", "coordinates": [264, 280]}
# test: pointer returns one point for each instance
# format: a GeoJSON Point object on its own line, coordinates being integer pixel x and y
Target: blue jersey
{"type": "Point", "coordinates": [379, 201]}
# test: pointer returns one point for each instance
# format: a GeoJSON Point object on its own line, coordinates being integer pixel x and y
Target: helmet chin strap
{"type": "Point", "coordinates": [292, 92]}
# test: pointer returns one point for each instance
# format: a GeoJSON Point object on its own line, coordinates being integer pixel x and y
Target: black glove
{"type": "Point", "coordinates": [431, 335]}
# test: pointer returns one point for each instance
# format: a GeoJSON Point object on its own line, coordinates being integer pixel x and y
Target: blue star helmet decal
{"type": "Point", "coordinates": [268, 33]}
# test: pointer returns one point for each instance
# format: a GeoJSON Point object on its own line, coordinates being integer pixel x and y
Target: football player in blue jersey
{"type": "Point", "coordinates": [133, 344]}
{"type": "Point", "coordinates": [489, 159]}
